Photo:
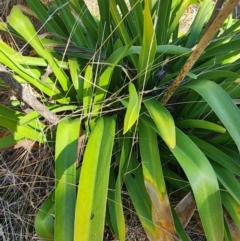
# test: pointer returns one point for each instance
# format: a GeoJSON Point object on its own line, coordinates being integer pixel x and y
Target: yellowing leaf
{"type": "Point", "coordinates": [93, 183]}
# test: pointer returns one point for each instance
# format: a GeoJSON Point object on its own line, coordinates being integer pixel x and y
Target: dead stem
{"type": "Point", "coordinates": [199, 48]}
{"type": "Point", "coordinates": [25, 94]}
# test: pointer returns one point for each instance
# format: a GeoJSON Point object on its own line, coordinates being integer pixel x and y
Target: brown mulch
{"type": "Point", "coordinates": [27, 178]}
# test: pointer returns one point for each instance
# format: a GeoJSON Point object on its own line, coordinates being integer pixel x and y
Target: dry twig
{"type": "Point", "coordinates": [199, 48]}
{"type": "Point", "coordinates": [23, 91]}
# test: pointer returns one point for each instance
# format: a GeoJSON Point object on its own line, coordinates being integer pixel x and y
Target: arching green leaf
{"type": "Point", "coordinates": [133, 108]}
{"type": "Point", "coordinates": [204, 184]}
{"type": "Point", "coordinates": [163, 121]}
{"type": "Point", "coordinates": [221, 104]}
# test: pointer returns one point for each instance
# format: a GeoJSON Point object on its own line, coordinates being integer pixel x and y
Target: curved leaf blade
{"type": "Point", "coordinates": [204, 184]}
{"type": "Point", "coordinates": [219, 155]}
{"type": "Point", "coordinates": [44, 221]}
{"type": "Point", "coordinates": [105, 78]}
{"type": "Point", "coordinates": [133, 108]}
{"type": "Point", "coordinates": [163, 121]}
{"type": "Point", "coordinates": [232, 207]}
{"type": "Point", "coordinates": [25, 131]}
{"type": "Point", "coordinates": [215, 74]}
{"type": "Point", "coordinates": [228, 180]}
{"type": "Point", "coordinates": [49, 22]}
{"type": "Point", "coordinates": [221, 104]}
{"type": "Point", "coordinates": [201, 124]}
{"type": "Point", "coordinates": [30, 35]}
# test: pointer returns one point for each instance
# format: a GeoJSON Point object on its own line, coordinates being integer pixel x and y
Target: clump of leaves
{"type": "Point", "coordinates": [156, 110]}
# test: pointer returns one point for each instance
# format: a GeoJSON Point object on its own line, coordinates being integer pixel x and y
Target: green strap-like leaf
{"type": "Point", "coordinates": [121, 26]}
{"type": "Point", "coordinates": [201, 124]}
{"type": "Point", "coordinates": [218, 155]}
{"type": "Point", "coordinates": [204, 184]}
{"type": "Point", "coordinates": [26, 60]}
{"type": "Point", "coordinates": [104, 27]}
{"type": "Point", "coordinates": [177, 13]}
{"type": "Point", "coordinates": [73, 27]}
{"type": "Point", "coordinates": [139, 196]}
{"type": "Point", "coordinates": [34, 115]}
{"type": "Point", "coordinates": [216, 74]}
{"type": "Point", "coordinates": [117, 213]}
{"type": "Point", "coordinates": [232, 207]}
{"type": "Point", "coordinates": [44, 221]}
{"type": "Point", "coordinates": [163, 121]}
{"type": "Point", "coordinates": [9, 140]}
{"type": "Point", "coordinates": [221, 104]}
{"type": "Point", "coordinates": [105, 78]}
{"type": "Point", "coordinates": [196, 27]}
{"type": "Point", "coordinates": [93, 184]}
{"type": "Point", "coordinates": [9, 120]}
{"type": "Point", "coordinates": [65, 174]}
{"type": "Point", "coordinates": [18, 21]}
{"type": "Point", "coordinates": [162, 49]}
{"type": "Point", "coordinates": [154, 183]}
{"type": "Point", "coordinates": [137, 12]}
{"type": "Point", "coordinates": [76, 78]}
{"type": "Point", "coordinates": [149, 45]}
{"type": "Point", "coordinates": [133, 108]}
{"type": "Point", "coordinates": [53, 24]}
{"type": "Point", "coordinates": [28, 75]}
{"type": "Point", "coordinates": [87, 90]}
{"type": "Point", "coordinates": [228, 180]}
{"type": "Point", "coordinates": [221, 49]}
{"type": "Point", "coordinates": [163, 12]}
